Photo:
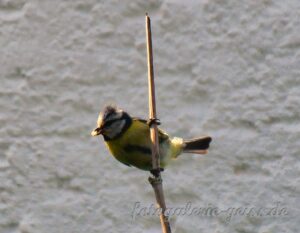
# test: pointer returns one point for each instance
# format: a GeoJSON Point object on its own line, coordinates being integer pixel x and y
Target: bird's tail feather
{"type": "Point", "coordinates": [197, 145]}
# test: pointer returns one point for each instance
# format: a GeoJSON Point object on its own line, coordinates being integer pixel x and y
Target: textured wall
{"type": "Point", "coordinates": [229, 69]}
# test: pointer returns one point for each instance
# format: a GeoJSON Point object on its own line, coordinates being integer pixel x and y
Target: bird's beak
{"type": "Point", "coordinates": [96, 131]}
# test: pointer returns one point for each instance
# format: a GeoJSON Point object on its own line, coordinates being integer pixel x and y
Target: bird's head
{"type": "Point", "coordinates": [111, 123]}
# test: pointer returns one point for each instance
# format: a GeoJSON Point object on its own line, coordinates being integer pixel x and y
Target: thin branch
{"type": "Point", "coordinates": [152, 103]}
{"type": "Point", "coordinates": [156, 181]}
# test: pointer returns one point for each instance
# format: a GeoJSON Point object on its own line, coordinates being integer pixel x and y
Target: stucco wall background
{"type": "Point", "coordinates": [229, 69]}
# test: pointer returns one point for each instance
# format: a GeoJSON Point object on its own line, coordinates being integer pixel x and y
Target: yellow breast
{"type": "Point", "coordinates": [133, 147]}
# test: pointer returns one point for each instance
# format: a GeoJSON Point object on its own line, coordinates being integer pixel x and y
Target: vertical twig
{"type": "Point", "coordinates": [152, 103]}
{"type": "Point", "coordinates": [156, 182]}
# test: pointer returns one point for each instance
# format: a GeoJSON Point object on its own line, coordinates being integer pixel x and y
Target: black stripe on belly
{"type": "Point", "coordinates": [136, 148]}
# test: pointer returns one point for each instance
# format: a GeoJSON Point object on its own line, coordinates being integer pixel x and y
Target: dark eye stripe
{"type": "Point", "coordinates": [109, 123]}
{"type": "Point", "coordinates": [107, 115]}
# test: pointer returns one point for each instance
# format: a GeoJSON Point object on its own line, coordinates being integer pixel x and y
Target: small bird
{"type": "Point", "coordinates": [128, 140]}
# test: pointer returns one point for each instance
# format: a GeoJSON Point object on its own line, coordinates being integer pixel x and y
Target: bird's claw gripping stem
{"type": "Point", "coordinates": [156, 172]}
{"type": "Point", "coordinates": [151, 121]}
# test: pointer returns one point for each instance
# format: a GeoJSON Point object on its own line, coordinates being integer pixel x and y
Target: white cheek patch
{"type": "Point", "coordinates": [115, 128]}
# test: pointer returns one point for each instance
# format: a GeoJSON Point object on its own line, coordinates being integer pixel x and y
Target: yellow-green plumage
{"type": "Point", "coordinates": [128, 140]}
{"type": "Point", "coordinates": [134, 146]}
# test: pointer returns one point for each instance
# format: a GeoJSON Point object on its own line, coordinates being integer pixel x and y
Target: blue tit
{"type": "Point", "coordinates": [128, 140]}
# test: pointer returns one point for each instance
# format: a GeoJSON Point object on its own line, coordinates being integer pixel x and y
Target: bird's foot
{"type": "Point", "coordinates": [156, 172]}
{"type": "Point", "coordinates": [151, 121]}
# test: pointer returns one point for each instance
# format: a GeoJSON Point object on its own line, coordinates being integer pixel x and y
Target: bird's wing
{"type": "Point", "coordinates": [162, 135]}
